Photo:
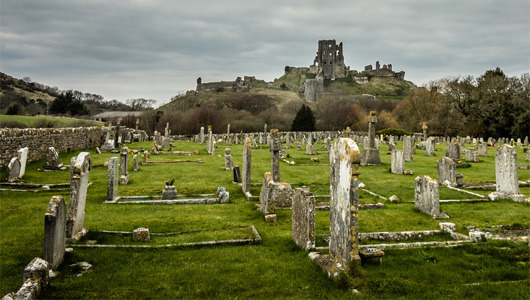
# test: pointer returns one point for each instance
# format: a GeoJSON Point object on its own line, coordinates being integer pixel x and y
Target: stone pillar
{"type": "Point", "coordinates": [287, 140]}
{"type": "Point", "coordinates": [55, 232]}
{"type": "Point", "coordinates": [229, 162]}
{"type": "Point", "coordinates": [22, 155]}
{"type": "Point", "coordinates": [344, 199]}
{"type": "Point", "coordinates": [124, 165]}
{"type": "Point", "coordinates": [506, 173]}
{"type": "Point", "coordinates": [430, 147]}
{"type": "Point", "coordinates": [79, 173]}
{"type": "Point", "coordinates": [137, 124]}
{"type": "Point", "coordinates": [201, 136]}
{"type": "Point", "coordinates": [370, 156]}
{"type": "Point", "coordinates": [228, 129]}
{"type": "Point", "coordinates": [266, 201]}
{"type": "Point", "coordinates": [446, 171]}
{"type": "Point", "coordinates": [112, 179]}
{"type": "Point", "coordinates": [398, 162]}
{"type": "Point", "coordinates": [275, 147]}
{"type": "Point", "coordinates": [144, 158]}
{"type": "Point", "coordinates": [210, 140]}
{"type": "Point", "coordinates": [303, 218]}
{"type": "Point", "coordinates": [247, 162]}
{"type": "Point", "coordinates": [427, 196]}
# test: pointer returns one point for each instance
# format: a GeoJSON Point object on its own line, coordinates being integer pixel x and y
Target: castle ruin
{"type": "Point", "coordinates": [238, 85]}
{"type": "Point", "coordinates": [329, 62]}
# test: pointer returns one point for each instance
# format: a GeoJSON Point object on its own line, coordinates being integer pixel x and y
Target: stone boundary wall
{"type": "Point", "coordinates": [38, 140]}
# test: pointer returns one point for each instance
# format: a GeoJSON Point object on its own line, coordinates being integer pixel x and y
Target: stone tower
{"type": "Point", "coordinates": [329, 62]}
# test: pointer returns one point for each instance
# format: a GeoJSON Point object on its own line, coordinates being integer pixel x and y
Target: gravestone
{"type": "Point", "coordinates": [55, 232]}
{"type": "Point", "coordinates": [145, 157]}
{"type": "Point", "coordinates": [228, 129]}
{"type": "Point", "coordinates": [52, 160]}
{"type": "Point", "coordinates": [201, 136]}
{"type": "Point", "coordinates": [469, 155]}
{"type": "Point", "coordinates": [429, 146]}
{"type": "Point", "coordinates": [117, 136]}
{"type": "Point", "coordinates": [229, 162]}
{"type": "Point", "coordinates": [446, 171]}
{"type": "Point", "coordinates": [408, 145]}
{"type": "Point", "coordinates": [210, 140]}
{"type": "Point", "coordinates": [453, 151]}
{"type": "Point", "coordinates": [135, 163]}
{"type": "Point", "coordinates": [112, 179]}
{"type": "Point", "coordinates": [424, 127]}
{"type": "Point", "coordinates": [398, 162]}
{"type": "Point", "coordinates": [275, 147]}
{"type": "Point", "coordinates": [22, 155]}
{"type": "Point", "coordinates": [247, 162]}
{"type": "Point", "coordinates": [79, 174]}
{"type": "Point", "coordinates": [427, 197]}
{"type": "Point", "coordinates": [506, 173]}
{"type": "Point", "coordinates": [124, 165]}
{"type": "Point", "coordinates": [391, 147]}
{"type": "Point", "coordinates": [370, 156]}
{"type": "Point", "coordinates": [214, 145]}
{"type": "Point", "coordinates": [274, 194]}
{"type": "Point", "coordinates": [236, 175]}
{"type": "Point", "coordinates": [108, 145]}
{"type": "Point", "coordinates": [303, 218]}
{"type": "Point", "coordinates": [483, 150]}
{"type": "Point", "coordinates": [13, 169]}
{"type": "Point", "coordinates": [287, 140]}
{"type": "Point", "coordinates": [169, 192]}
{"type": "Point", "coordinates": [344, 200]}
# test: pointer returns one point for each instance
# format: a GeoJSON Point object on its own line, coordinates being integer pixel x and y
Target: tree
{"type": "Point", "coordinates": [141, 104]}
{"type": "Point", "coordinates": [304, 120]}
{"type": "Point", "coordinates": [66, 102]}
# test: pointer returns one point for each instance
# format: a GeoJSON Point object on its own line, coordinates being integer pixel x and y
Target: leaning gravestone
{"type": "Point", "coordinates": [79, 173]}
{"type": "Point", "coordinates": [112, 179]}
{"type": "Point", "coordinates": [344, 199]}
{"type": "Point", "coordinates": [22, 155]}
{"type": "Point", "coordinates": [398, 162]}
{"type": "Point", "coordinates": [54, 232]}
{"type": "Point", "coordinates": [13, 169]}
{"type": "Point", "coordinates": [52, 160]}
{"type": "Point", "coordinates": [303, 218]}
{"type": "Point", "coordinates": [447, 171]}
{"type": "Point", "coordinates": [247, 162]}
{"type": "Point", "coordinates": [427, 197]}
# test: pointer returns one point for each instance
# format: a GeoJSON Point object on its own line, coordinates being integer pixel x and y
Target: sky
{"type": "Point", "coordinates": [157, 49]}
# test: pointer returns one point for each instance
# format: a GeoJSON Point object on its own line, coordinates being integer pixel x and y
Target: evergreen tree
{"type": "Point", "coordinates": [304, 120]}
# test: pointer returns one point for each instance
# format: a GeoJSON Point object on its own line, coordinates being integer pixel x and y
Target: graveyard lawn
{"type": "Point", "coordinates": [277, 268]}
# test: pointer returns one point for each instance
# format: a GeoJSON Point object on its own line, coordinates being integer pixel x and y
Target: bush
{"type": "Point", "coordinates": [12, 124]}
{"type": "Point", "coordinates": [393, 131]}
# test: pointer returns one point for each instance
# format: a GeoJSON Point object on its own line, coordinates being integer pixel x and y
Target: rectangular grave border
{"type": "Point", "coordinates": [36, 187]}
{"type": "Point", "coordinates": [157, 199]}
{"type": "Point", "coordinates": [249, 241]}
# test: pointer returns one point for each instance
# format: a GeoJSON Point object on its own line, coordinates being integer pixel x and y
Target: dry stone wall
{"type": "Point", "coordinates": [38, 140]}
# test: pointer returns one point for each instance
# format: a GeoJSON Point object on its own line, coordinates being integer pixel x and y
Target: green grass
{"type": "Point", "coordinates": [276, 268]}
{"type": "Point", "coordinates": [48, 122]}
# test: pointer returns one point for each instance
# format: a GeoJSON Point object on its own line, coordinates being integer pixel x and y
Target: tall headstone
{"type": "Point", "coordinates": [453, 151]}
{"type": "Point", "coordinates": [370, 156]}
{"type": "Point", "coordinates": [424, 127]}
{"type": "Point", "coordinates": [117, 136]}
{"type": "Point", "coordinates": [55, 232]}
{"type": "Point", "coordinates": [344, 199]}
{"type": "Point", "coordinates": [22, 155]}
{"type": "Point", "coordinates": [112, 179]}
{"type": "Point", "coordinates": [229, 162]}
{"type": "Point", "coordinates": [145, 157]}
{"type": "Point", "coordinates": [287, 140]}
{"type": "Point", "coordinates": [79, 173]}
{"type": "Point", "coordinates": [201, 135]}
{"type": "Point", "coordinates": [275, 147]}
{"type": "Point", "coordinates": [247, 162]}
{"type": "Point", "coordinates": [267, 203]}
{"type": "Point", "coordinates": [214, 145]}
{"type": "Point", "coordinates": [137, 124]}
{"type": "Point", "coordinates": [506, 173]}
{"type": "Point", "coordinates": [236, 175]}
{"type": "Point", "coordinates": [135, 163]}
{"type": "Point", "coordinates": [398, 162]}
{"type": "Point", "coordinates": [427, 196]}
{"type": "Point", "coordinates": [52, 160]}
{"type": "Point", "coordinates": [429, 146]}
{"type": "Point", "coordinates": [228, 129]}
{"type": "Point", "coordinates": [210, 140]}
{"type": "Point", "coordinates": [303, 218]}
{"type": "Point", "coordinates": [124, 165]}
{"type": "Point", "coordinates": [446, 171]}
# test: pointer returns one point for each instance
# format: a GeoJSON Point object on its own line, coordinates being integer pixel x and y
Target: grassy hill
{"type": "Point", "coordinates": [44, 122]}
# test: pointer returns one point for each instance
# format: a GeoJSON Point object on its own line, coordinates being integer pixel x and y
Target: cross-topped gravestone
{"type": "Point", "coordinates": [370, 155]}
{"type": "Point", "coordinates": [344, 199]}
{"type": "Point", "coordinates": [424, 127]}
{"type": "Point", "coordinates": [275, 148]}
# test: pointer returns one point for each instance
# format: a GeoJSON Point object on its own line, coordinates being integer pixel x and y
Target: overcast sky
{"type": "Point", "coordinates": [156, 49]}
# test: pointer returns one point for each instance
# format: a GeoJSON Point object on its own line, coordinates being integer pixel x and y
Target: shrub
{"type": "Point", "coordinates": [393, 131]}
{"type": "Point", "coordinates": [12, 124]}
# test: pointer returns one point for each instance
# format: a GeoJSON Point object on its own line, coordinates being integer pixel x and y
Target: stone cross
{"type": "Point", "coordinates": [124, 165]}
{"type": "Point", "coordinates": [344, 200]}
{"type": "Point", "coordinates": [247, 162]}
{"type": "Point", "coordinates": [371, 130]}
{"type": "Point", "coordinates": [79, 174]}
{"type": "Point", "coordinates": [303, 218]}
{"type": "Point", "coordinates": [275, 147]}
{"type": "Point", "coordinates": [55, 232]}
{"type": "Point", "coordinates": [112, 179]}
{"type": "Point", "coordinates": [424, 127]}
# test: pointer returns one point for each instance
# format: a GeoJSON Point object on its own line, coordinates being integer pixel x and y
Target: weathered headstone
{"type": "Point", "coordinates": [303, 218]}
{"type": "Point", "coordinates": [344, 199]}
{"type": "Point", "coordinates": [209, 144]}
{"type": "Point", "coordinates": [22, 155]}
{"type": "Point", "coordinates": [55, 231]}
{"type": "Point", "coordinates": [446, 171]}
{"type": "Point", "coordinates": [398, 162]}
{"type": "Point", "coordinates": [453, 151]}
{"type": "Point", "coordinates": [429, 146]}
{"type": "Point", "coordinates": [506, 173]}
{"type": "Point", "coordinates": [287, 140]}
{"type": "Point", "coordinates": [424, 127]}
{"type": "Point", "coordinates": [52, 160]}
{"type": "Point", "coordinates": [370, 156]}
{"type": "Point", "coordinates": [274, 194]}
{"type": "Point", "coordinates": [427, 196]}
{"type": "Point", "coordinates": [201, 136]}
{"type": "Point", "coordinates": [214, 145]}
{"type": "Point", "coordinates": [135, 163]}
{"type": "Point", "coordinates": [483, 150]}
{"type": "Point", "coordinates": [79, 174]}
{"type": "Point", "coordinates": [141, 234]}
{"type": "Point", "coordinates": [13, 169]}
{"type": "Point", "coordinates": [144, 158]}
{"type": "Point", "coordinates": [247, 163]}
{"type": "Point", "coordinates": [236, 175]}
{"type": "Point", "coordinates": [124, 165]}
{"type": "Point", "coordinates": [275, 147]}
{"type": "Point", "coordinates": [229, 162]}
{"type": "Point", "coordinates": [117, 136]}
{"type": "Point", "coordinates": [391, 147]}
{"type": "Point", "coordinates": [408, 145]}
{"type": "Point", "coordinates": [112, 179]}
